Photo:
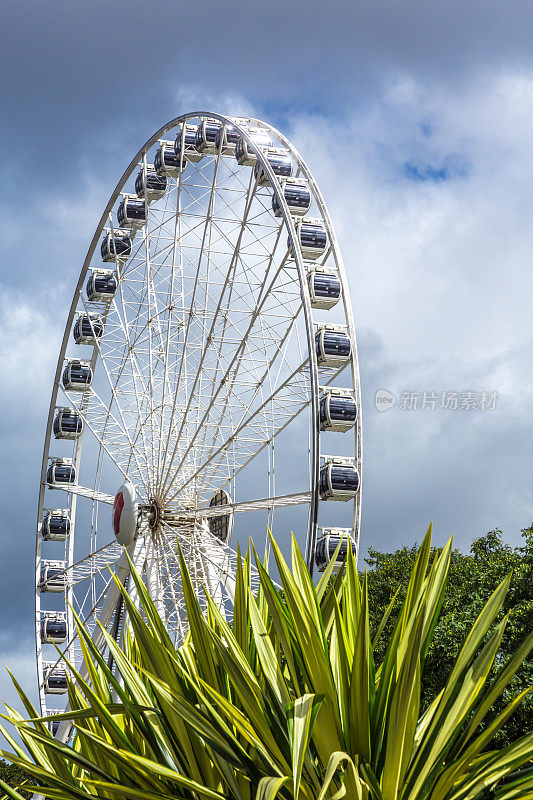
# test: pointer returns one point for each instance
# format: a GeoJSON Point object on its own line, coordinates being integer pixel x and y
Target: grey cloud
{"type": "Point", "coordinates": [72, 68]}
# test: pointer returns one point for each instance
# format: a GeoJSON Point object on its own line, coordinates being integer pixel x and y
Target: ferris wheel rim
{"type": "Point", "coordinates": [288, 222]}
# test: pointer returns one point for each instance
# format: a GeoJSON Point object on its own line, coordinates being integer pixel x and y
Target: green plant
{"type": "Point", "coordinates": [287, 701]}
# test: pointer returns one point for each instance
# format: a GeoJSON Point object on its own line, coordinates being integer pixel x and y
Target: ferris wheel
{"type": "Point", "coordinates": [206, 390]}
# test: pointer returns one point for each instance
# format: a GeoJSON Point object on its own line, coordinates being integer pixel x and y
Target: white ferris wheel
{"type": "Point", "coordinates": [207, 386]}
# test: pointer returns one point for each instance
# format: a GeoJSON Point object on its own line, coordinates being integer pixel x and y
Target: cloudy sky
{"type": "Point", "coordinates": [417, 120]}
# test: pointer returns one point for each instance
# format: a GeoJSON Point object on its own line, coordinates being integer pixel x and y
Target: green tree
{"type": "Point", "coordinates": [15, 776]}
{"type": "Point", "coordinates": [472, 578]}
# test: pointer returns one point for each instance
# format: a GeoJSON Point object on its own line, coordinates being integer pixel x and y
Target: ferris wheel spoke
{"type": "Point", "coordinates": [108, 432]}
{"type": "Point", "coordinates": [209, 338]}
{"type": "Point", "coordinates": [173, 601]}
{"type": "Point", "coordinates": [220, 557]}
{"type": "Point", "coordinates": [206, 227]}
{"type": "Point", "coordinates": [287, 392]}
{"type": "Point", "coordinates": [166, 386]}
{"type": "Point", "coordinates": [83, 491]}
{"type": "Point", "coordinates": [212, 392]}
{"type": "Point", "coordinates": [254, 388]}
{"type": "Point", "coordinates": [228, 381]}
{"type": "Point", "coordinates": [126, 370]}
{"type": "Point", "coordinates": [133, 451]}
{"type": "Point", "coordinates": [211, 563]}
{"type": "Point", "coordinates": [97, 562]}
{"type": "Point", "coordinates": [150, 353]}
{"type": "Point", "coordinates": [265, 504]}
{"type": "Point", "coordinates": [304, 404]}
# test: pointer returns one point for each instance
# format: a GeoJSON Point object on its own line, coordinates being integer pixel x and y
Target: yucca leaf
{"type": "Point", "coordinates": [241, 617]}
{"type": "Point", "coordinates": [302, 580]}
{"type": "Point", "coordinates": [459, 765]}
{"type": "Point", "coordinates": [341, 660]}
{"type": "Point", "coordinates": [269, 788]}
{"type": "Point", "coordinates": [324, 585]}
{"type": "Point", "coordinates": [449, 718]}
{"type": "Point", "coordinates": [385, 619]}
{"type": "Point", "coordinates": [359, 789]}
{"type": "Point", "coordinates": [361, 690]}
{"type": "Point", "coordinates": [267, 656]}
{"type": "Point", "coordinates": [282, 628]}
{"type": "Point", "coordinates": [254, 704]}
{"type": "Point", "coordinates": [301, 715]}
{"type": "Point", "coordinates": [499, 685]}
{"type": "Point", "coordinates": [387, 672]}
{"type": "Point", "coordinates": [314, 654]}
{"type": "Point", "coordinates": [219, 738]}
{"type": "Point", "coordinates": [198, 629]}
{"type": "Point", "coordinates": [351, 599]}
{"type": "Point", "coordinates": [437, 583]}
{"type": "Point", "coordinates": [332, 597]}
{"type": "Point", "coordinates": [518, 789]}
{"type": "Point", "coordinates": [403, 716]}
{"type": "Point", "coordinates": [500, 764]}
{"type": "Point", "coordinates": [116, 790]}
{"type": "Point", "coordinates": [27, 734]}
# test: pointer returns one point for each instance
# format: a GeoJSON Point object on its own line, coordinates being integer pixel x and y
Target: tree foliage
{"type": "Point", "coordinates": [15, 777]}
{"type": "Point", "coordinates": [472, 578]}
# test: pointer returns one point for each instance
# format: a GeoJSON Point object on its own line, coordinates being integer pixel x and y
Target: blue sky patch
{"type": "Point", "coordinates": [452, 167]}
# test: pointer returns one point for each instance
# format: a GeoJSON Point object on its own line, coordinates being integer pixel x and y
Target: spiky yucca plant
{"type": "Point", "coordinates": [285, 702]}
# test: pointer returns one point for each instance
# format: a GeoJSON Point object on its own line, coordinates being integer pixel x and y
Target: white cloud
{"type": "Point", "coordinates": [30, 336]}
{"type": "Point", "coordinates": [440, 276]}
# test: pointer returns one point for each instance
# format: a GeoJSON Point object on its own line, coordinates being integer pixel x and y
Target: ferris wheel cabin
{"type": "Point", "coordinates": [226, 139]}
{"type": "Point", "coordinates": [60, 471]}
{"type": "Point", "coordinates": [88, 329]}
{"type": "Point", "coordinates": [246, 154]}
{"type": "Point", "coordinates": [333, 346]}
{"type": "Point", "coordinates": [56, 525]}
{"type": "Point", "coordinates": [279, 160]}
{"type": "Point", "coordinates": [312, 238]}
{"type": "Point", "coordinates": [327, 544]}
{"type": "Point", "coordinates": [186, 138]}
{"type": "Point", "coordinates": [53, 576]}
{"type": "Point", "coordinates": [149, 185]}
{"type": "Point", "coordinates": [337, 410]}
{"type": "Point", "coordinates": [339, 479]}
{"type": "Point", "coordinates": [166, 162]}
{"type": "Point", "coordinates": [324, 288]}
{"type": "Point", "coordinates": [55, 679]}
{"type": "Point", "coordinates": [131, 213]}
{"type": "Point", "coordinates": [102, 285]}
{"type": "Point", "coordinates": [220, 525]}
{"type": "Point", "coordinates": [206, 136]}
{"type": "Point", "coordinates": [68, 424]}
{"type": "Point", "coordinates": [53, 628]}
{"type": "Point", "coordinates": [77, 376]}
{"type": "Point", "coordinates": [297, 196]}
{"type": "Point", "coordinates": [115, 244]}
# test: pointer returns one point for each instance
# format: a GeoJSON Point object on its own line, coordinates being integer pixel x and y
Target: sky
{"type": "Point", "coordinates": [416, 119]}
